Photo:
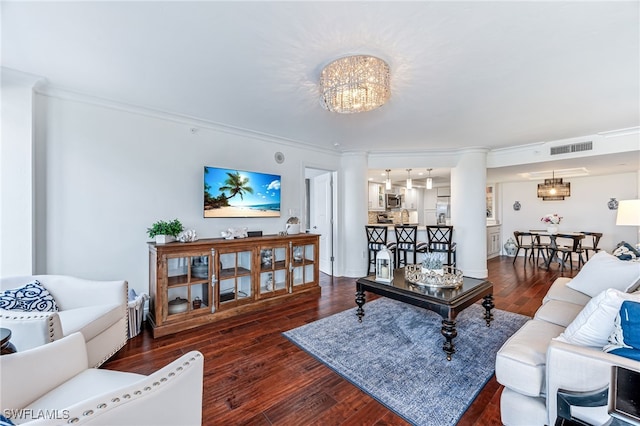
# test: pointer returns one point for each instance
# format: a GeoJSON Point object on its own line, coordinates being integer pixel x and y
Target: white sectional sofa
{"type": "Point", "coordinates": [562, 346]}
{"type": "Point", "coordinates": [97, 309]}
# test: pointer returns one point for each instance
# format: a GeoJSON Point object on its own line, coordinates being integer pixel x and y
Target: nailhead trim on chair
{"type": "Point", "coordinates": [46, 315]}
{"type": "Point", "coordinates": [127, 396]}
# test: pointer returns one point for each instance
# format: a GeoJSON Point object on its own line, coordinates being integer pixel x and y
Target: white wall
{"type": "Point", "coordinates": [111, 173]}
{"type": "Point", "coordinates": [585, 210]}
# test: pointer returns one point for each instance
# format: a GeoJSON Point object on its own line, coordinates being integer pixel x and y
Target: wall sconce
{"type": "Point", "coordinates": [409, 186]}
{"type": "Point", "coordinates": [429, 180]}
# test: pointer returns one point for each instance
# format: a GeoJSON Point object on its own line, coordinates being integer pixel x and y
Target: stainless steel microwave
{"type": "Point", "coordinates": [393, 201]}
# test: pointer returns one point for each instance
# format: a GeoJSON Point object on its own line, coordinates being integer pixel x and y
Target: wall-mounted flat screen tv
{"type": "Point", "coordinates": [238, 193]}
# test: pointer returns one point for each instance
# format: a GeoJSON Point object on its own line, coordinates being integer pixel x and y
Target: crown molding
{"type": "Point", "coordinates": [192, 122]}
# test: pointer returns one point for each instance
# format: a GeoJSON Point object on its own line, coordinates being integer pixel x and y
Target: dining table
{"type": "Point", "coordinates": [553, 248]}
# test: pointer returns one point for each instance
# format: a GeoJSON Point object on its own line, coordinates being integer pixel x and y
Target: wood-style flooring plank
{"type": "Point", "coordinates": [255, 376]}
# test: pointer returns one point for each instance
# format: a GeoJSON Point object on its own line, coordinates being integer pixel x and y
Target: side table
{"type": "Point", "coordinates": [6, 347]}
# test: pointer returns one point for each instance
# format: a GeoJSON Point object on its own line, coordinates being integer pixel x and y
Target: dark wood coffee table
{"type": "Point", "coordinates": [448, 303]}
{"type": "Point", "coordinates": [6, 347]}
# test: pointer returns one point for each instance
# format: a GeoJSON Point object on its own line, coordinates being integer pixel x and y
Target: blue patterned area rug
{"type": "Point", "coordinates": [395, 355]}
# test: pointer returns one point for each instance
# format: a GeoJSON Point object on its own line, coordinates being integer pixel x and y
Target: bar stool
{"type": "Point", "coordinates": [376, 239]}
{"type": "Point", "coordinates": [406, 242]}
{"type": "Point", "coordinates": [439, 240]}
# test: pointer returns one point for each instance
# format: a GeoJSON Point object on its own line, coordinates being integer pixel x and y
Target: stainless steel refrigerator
{"type": "Point", "coordinates": [443, 210]}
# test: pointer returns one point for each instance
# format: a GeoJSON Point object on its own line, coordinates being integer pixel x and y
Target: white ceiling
{"type": "Point", "coordinates": [477, 73]}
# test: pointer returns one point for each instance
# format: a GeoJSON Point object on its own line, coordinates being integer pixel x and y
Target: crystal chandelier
{"type": "Point", "coordinates": [354, 84]}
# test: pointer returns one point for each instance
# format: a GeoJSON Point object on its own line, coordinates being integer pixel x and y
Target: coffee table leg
{"type": "Point", "coordinates": [449, 332]}
{"type": "Point", "coordinates": [360, 302]}
{"type": "Point", "coordinates": [488, 305]}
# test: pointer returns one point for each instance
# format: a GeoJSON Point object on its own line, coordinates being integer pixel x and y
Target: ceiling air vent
{"type": "Point", "coordinates": [575, 147]}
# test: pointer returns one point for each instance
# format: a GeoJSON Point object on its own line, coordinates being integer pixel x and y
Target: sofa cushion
{"type": "Point", "coordinates": [30, 297]}
{"type": "Point", "coordinates": [594, 324]}
{"type": "Point", "coordinates": [91, 320]}
{"type": "Point", "coordinates": [92, 381]}
{"type": "Point", "coordinates": [560, 291]}
{"type": "Point", "coordinates": [521, 361]}
{"type": "Point", "coordinates": [558, 312]}
{"type": "Point", "coordinates": [605, 271]}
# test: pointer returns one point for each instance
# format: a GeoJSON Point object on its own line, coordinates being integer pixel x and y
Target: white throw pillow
{"type": "Point", "coordinates": [596, 321]}
{"type": "Point", "coordinates": [605, 271]}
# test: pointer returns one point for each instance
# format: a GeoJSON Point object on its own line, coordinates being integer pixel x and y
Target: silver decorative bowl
{"type": "Point", "coordinates": [450, 277]}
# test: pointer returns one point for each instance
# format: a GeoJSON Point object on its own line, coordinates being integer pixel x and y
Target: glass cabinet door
{"type": "Point", "coordinates": [302, 264]}
{"type": "Point", "coordinates": [188, 289]}
{"type": "Point", "coordinates": [234, 280]}
{"type": "Point", "coordinates": [273, 270]}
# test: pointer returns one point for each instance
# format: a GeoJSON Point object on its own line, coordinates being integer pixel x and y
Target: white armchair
{"type": "Point", "coordinates": [54, 385]}
{"type": "Point", "coordinates": [97, 309]}
{"type": "Point", "coordinates": [581, 369]}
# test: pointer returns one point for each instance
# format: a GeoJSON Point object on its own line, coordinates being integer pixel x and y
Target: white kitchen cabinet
{"type": "Point", "coordinates": [410, 198]}
{"type": "Point", "coordinates": [376, 196]}
{"type": "Point", "coordinates": [493, 241]}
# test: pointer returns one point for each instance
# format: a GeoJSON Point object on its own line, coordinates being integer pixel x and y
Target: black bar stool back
{"type": "Point", "coordinates": [376, 239]}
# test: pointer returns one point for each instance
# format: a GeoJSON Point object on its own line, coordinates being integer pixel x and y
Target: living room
{"type": "Point", "coordinates": [87, 166]}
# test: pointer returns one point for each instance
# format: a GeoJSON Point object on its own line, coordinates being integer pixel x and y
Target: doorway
{"type": "Point", "coordinates": [320, 213]}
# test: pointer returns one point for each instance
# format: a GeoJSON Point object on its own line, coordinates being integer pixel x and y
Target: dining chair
{"type": "Point", "coordinates": [524, 241]}
{"type": "Point", "coordinates": [590, 242]}
{"type": "Point", "coordinates": [376, 239]}
{"type": "Point", "coordinates": [541, 244]}
{"type": "Point", "coordinates": [567, 245]}
{"type": "Point", "coordinates": [440, 240]}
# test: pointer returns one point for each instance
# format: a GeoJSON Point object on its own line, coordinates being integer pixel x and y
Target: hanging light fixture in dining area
{"type": "Point", "coordinates": [387, 182]}
{"type": "Point", "coordinates": [409, 185]}
{"type": "Point", "coordinates": [355, 84]}
{"type": "Point", "coordinates": [554, 189]}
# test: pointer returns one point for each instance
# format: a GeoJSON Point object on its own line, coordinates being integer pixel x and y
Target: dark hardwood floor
{"type": "Point", "coordinates": [255, 376]}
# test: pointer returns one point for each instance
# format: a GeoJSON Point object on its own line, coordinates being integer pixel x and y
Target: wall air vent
{"type": "Point", "coordinates": [575, 147]}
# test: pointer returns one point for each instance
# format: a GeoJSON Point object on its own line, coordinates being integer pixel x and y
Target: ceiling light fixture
{"type": "Point", "coordinates": [354, 84]}
{"type": "Point", "coordinates": [409, 186]}
{"type": "Point", "coordinates": [429, 180]}
{"type": "Point", "coordinates": [554, 189]}
{"type": "Point", "coordinates": [387, 183]}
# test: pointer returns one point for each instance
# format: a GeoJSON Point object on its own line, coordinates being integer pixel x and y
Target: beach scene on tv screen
{"type": "Point", "coordinates": [237, 193]}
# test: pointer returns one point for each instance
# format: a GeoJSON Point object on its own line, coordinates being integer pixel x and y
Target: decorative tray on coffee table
{"type": "Point", "coordinates": [447, 277]}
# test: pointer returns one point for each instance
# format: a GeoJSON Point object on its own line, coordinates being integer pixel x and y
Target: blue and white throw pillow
{"type": "Point", "coordinates": [30, 297]}
{"type": "Point", "coordinates": [5, 421]}
{"type": "Point", "coordinates": [625, 338]}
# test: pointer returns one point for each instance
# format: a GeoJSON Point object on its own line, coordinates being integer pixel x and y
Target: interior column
{"type": "Point", "coordinates": [468, 212]}
{"type": "Point", "coordinates": [17, 194]}
{"type": "Point", "coordinates": [353, 207]}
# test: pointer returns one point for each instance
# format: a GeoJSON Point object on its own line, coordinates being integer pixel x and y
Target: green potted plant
{"type": "Point", "coordinates": [165, 232]}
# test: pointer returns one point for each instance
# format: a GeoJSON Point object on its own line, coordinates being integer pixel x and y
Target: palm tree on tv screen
{"type": "Point", "coordinates": [236, 185]}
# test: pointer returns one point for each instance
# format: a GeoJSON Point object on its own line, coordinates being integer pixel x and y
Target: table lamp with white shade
{"type": "Point", "coordinates": [628, 213]}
